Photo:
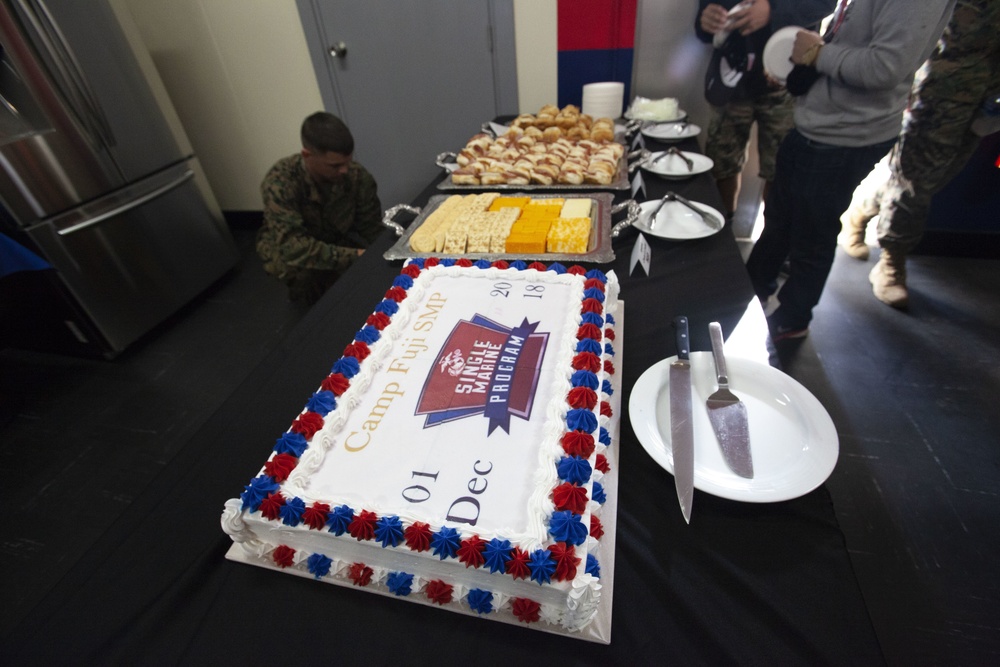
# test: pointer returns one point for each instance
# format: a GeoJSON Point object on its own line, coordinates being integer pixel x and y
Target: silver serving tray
{"type": "Point", "coordinates": [599, 249]}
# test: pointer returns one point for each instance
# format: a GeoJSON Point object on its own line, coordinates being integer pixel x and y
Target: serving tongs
{"type": "Point", "coordinates": [674, 151]}
{"type": "Point", "coordinates": [705, 217]}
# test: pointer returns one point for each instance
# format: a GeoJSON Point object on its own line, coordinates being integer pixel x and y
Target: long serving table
{"type": "Point", "coordinates": [744, 583]}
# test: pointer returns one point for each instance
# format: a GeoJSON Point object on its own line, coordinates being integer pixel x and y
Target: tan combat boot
{"type": "Point", "coordinates": [854, 222]}
{"type": "Point", "coordinates": [888, 279]}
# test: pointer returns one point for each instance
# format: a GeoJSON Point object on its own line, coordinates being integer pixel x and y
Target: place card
{"type": "Point", "coordinates": [638, 185]}
{"type": "Point", "coordinates": [641, 254]}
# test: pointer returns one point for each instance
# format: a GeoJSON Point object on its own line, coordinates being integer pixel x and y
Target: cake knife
{"type": "Point", "coordinates": [681, 427]}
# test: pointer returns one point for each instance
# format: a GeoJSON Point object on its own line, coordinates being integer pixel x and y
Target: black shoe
{"type": "Point", "coordinates": [779, 334]}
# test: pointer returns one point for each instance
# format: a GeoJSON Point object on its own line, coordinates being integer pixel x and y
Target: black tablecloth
{"type": "Point", "coordinates": [742, 584]}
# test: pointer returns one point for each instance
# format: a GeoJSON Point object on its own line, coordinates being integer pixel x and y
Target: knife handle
{"type": "Point", "coordinates": [682, 338]}
{"type": "Point", "coordinates": [721, 370]}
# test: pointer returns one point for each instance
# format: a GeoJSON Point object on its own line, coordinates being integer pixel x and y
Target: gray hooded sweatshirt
{"type": "Point", "coordinates": [868, 70]}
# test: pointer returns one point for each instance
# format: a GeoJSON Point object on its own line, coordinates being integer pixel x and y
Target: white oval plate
{"type": "Point", "coordinates": [673, 167]}
{"type": "Point", "coordinates": [677, 222]}
{"type": "Point", "coordinates": [792, 438]}
{"type": "Point", "coordinates": [672, 131]}
{"type": "Point", "coordinates": [778, 52]}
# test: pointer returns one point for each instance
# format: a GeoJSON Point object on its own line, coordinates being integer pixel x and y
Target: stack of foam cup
{"type": "Point", "coordinates": [604, 99]}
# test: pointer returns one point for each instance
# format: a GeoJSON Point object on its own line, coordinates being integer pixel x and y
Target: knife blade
{"type": "Point", "coordinates": [728, 413]}
{"type": "Point", "coordinates": [681, 426]}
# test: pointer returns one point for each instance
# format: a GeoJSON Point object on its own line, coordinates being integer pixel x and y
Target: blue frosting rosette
{"type": "Point", "coordinates": [339, 519]}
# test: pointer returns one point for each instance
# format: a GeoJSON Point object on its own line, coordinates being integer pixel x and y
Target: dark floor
{"type": "Point", "coordinates": [916, 488]}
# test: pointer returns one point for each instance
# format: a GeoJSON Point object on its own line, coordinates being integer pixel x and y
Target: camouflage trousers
{"type": "Point", "coordinates": [729, 133]}
{"type": "Point", "coordinates": [929, 153]}
{"type": "Point", "coordinates": [937, 137]}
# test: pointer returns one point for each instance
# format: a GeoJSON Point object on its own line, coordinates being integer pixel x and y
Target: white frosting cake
{"type": "Point", "coordinates": [458, 452]}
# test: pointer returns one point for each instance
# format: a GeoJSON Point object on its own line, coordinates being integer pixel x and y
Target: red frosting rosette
{"type": "Point", "coordinates": [517, 566]}
{"type": "Point", "coordinates": [578, 443]}
{"type": "Point", "coordinates": [438, 591]}
{"type": "Point", "coordinates": [360, 574]}
{"type": "Point", "coordinates": [596, 529]}
{"type": "Point", "coordinates": [570, 497]}
{"type": "Point", "coordinates": [582, 397]}
{"type": "Point", "coordinates": [470, 551]}
{"type": "Point", "coordinates": [284, 556]}
{"type": "Point", "coordinates": [378, 320]}
{"type": "Point", "coordinates": [525, 610]}
{"type": "Point", "coordinates": [418, 536]}
{"type": "Point", "coordinates": [280, 466]}
{"type": "Point", "coordinates": [395, 293]}
{"type": "Point", "coordinates": [566, 561]}
{"type": "Point", "coordinates": [588, 330]}
{"type": "Point", "coordinates": [358, 349]}
{"type": "Point", "coordinates": [270, 507]}
{"type": "Point", "coordinates": [362, 526]}
{"type": "Point", "coordinates": [315, 515]}
{"type": "Point", "coordinates": [587, 361]}
{"type": "Point", "coordinates": [336, 383]}
{"type": "Point", "coordinates": [307, 424]}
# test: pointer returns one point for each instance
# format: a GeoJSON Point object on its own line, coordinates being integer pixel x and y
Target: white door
{"type": "Point", "coordinates": [412, 79]}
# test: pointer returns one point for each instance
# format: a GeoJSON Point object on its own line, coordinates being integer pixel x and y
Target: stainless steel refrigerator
{"type": "Point", "coordinates": [93, 180]}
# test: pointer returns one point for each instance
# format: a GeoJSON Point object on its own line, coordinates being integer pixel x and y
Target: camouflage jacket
{"type": "Point", "coordinates": [308, 225]}
{"type": "Point", "coordinates": [965, 66]}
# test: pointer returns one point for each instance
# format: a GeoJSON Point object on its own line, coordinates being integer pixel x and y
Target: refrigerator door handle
{"type": "Point", "coordinates": [135, 203]}
{"type": "Point", "coordinates": [74, 84]}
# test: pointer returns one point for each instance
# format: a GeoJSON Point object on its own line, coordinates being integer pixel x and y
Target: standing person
{"type": "Point", "coordinates": [756, 99]}
{"type": "Point", "coordinates": [321, 210]}
{"type": "Point", "coordinates": [940, 133]}
{"type": "Point", "coordinates": [845, 121]}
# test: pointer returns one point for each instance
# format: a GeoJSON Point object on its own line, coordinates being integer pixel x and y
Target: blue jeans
{"type": "Point", "coordinates": [813, 185]}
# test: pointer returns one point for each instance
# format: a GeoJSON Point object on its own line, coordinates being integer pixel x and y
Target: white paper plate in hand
{"type": "Point", "coordinates": [792, 438]}
{"type": "Point", "coordinates": [778, 52]}
{"type": "Point", "coordinates": [677, 222]}
{"type": "Point", "coordinates": [674, 131]}
{"type": "Point", "coordinates": [674, 167]}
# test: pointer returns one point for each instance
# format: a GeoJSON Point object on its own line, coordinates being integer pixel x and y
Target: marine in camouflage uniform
{"type": "Point", "coordinates": [312, 230]}
{"type": "Point", "coordinates": [936, 141]}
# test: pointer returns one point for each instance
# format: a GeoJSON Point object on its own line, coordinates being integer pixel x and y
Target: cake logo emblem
{"type": "Point", "coordinates": [452, 363]}
{"type": "Point", "coordinates": [484, 368]}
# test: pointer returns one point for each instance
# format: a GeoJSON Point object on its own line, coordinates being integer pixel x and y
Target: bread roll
{"type": "Point", "coordinates": [552, 134]}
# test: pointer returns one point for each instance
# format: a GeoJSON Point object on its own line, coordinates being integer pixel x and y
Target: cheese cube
{"type": "Point", "coordinates": [509, 202]}
{"type": "Point", "coordinates": [576, 208]}
{"type": "Point", "coordinates": [569, 236]}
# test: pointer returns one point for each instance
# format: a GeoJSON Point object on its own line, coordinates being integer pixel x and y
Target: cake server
{"type": "Point", "coordinates": [681, 426]}
{"type": "Point", "coordinates": [728, 414]}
